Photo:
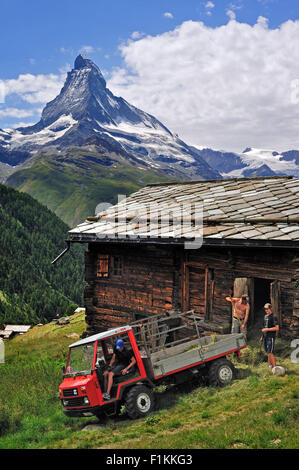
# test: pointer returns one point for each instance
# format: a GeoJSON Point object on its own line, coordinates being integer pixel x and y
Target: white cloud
{"type": "Point", "coordinates": [263, 21]}
{"type": "Point", "coordinates": [18, 113]}
{"type": "Point", "coordinates": [22, 124]}
{"type": "Point", "coordinates": [236, 5]}
{"type": "Point", "coordinates": [231, 14]}
{"type": "Point", "coordinates": [227, 87]}
{"type": "Point", "coordinates": [209, 6]}
{"type": "Point", "coordinates": [137, 35]}
{"type": "Point", "coordinates": [86, 50]}
{"type": "Point", "coordinates": [35, 88]}
{"type": "Point", "coordinates": [167, 14]}
{"type": "Point", "coordinates": [65, 68]}
{"type": "Point", "coordinates": [65, 50]}
{"type": "Point", "coordinates": [2, 91]}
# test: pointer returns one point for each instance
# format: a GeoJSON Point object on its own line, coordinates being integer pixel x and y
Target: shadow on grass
{"type": "Point", "coordinates": [244, 373]}
{"type": "Point", "coordinates": [169, 395]}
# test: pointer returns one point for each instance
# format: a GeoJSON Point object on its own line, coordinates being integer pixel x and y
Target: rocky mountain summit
{"type": "Point", "coordinates": [86, 108]}
{"type": "Point", "coordinates": [90, 145]}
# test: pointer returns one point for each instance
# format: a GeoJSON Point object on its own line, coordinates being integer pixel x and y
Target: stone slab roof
{"type": "Point", "coordinates": [244, 209]}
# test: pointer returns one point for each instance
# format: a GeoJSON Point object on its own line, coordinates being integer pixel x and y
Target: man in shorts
{"type": "Point", "coordinates": [240, 310]}
{"type": "Point", "coordinates": [270, 327]}
{"type": "Point", "coordinates": [121, 362]}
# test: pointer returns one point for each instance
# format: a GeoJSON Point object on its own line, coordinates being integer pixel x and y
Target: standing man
{"type": "Point", "coordinates": [270, 327]}
{"type": "Point", "coordinates": [122, 361]}
{"type": "Point", "coordinates": [240, 310]}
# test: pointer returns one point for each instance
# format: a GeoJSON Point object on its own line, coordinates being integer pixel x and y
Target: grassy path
{"type": "Point", "coordinates": [257, 411]}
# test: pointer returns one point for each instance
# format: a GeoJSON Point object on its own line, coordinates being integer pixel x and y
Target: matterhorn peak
{"type": "Point", "coordinates": [85, 108]}
{"type": "Point", "coordinates": [82, 61]}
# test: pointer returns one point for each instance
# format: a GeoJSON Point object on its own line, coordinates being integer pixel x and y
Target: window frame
{"type": "Point", "coordinates": [103, 274]}
{"type": "Point", "coordinates": [120, 268]}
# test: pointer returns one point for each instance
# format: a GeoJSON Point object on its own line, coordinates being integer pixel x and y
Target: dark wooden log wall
{"type": "Point", "coordinates": [154, 280]}
{"type": "Point", "coordinates": [146, 286]}
{"type": "Point", "coordinates": [252, 263]}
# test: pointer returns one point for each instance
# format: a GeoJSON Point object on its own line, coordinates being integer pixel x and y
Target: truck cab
{"type": "Point", "coordinates": [82, 389]}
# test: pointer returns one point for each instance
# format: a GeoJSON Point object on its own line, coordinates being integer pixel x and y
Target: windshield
{"type": "Point", "coordinates": [80, 359]}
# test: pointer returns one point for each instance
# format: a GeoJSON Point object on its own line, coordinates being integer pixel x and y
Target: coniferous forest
{"type": "Point", "coordinates": [32, 290]}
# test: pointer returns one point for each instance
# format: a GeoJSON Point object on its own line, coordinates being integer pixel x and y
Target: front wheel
{"type": "Point", "coordinates": [221, 373]}
{"type": "Point", "coordinates": [139, 401]}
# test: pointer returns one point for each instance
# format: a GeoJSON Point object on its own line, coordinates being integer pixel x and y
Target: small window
{"type": "Point", "coordinates": [117, 266]}
{"type": "Point", "coordinates": [103, 266]}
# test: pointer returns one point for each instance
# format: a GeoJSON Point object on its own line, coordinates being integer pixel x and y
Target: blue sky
{"type": "Point", "coordinates": [34, 33]}
{"type": "Point", "coordinates": [42, 38]}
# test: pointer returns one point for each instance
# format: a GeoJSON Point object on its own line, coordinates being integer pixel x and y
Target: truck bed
{"type": "Point", "coordinates": [169, 360]}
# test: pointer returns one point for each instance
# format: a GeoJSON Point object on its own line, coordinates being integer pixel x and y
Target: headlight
{"type": "Point", "coordinates": [86, 401]}
{"type": "Point", "coordinates": [65, 402]}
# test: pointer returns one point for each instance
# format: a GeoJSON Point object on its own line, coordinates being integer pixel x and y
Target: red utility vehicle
{"type": "Point", "coordinates": [167, 350]}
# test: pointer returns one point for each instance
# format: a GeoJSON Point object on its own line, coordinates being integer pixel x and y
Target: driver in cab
{"type": "Point", "coordinates": [121, 362]}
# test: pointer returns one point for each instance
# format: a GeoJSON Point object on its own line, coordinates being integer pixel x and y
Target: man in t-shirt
{"type": "Point", "coordinates": [270, 327]}
{"type": "Point", "coordinates": [121, 362]}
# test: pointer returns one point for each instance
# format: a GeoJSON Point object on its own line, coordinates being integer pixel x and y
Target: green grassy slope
{"type": "Point", "coordinates": [31, 236]}
{"type": "Point", "coordinates": [257, 411]}
{"type": "Point", "coordinates": [72, 185]}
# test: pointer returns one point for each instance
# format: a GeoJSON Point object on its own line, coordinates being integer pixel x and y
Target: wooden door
{"type": "Point", "coordinates": [197, 290]}
{"type": "Point", "coordinates": [245, 285]}
{"type": "Point", "coordinates": [275, 300]}
{"type": "Point", "coordinates": [196, 286]}
{"type": "Point", "coordinates": [240, 286]}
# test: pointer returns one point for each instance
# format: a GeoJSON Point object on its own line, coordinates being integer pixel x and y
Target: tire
{"type": "Point", "coordinates": [221, 373]}
{"type": "Point", "coordinates": [139, 401]}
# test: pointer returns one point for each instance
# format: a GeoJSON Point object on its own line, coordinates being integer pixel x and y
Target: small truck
{"type": "Point", "coordinates": [168, 349]}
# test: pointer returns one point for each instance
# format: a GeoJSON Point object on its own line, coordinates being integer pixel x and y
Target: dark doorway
{"type": "Point", "coordinates": [262, 295]}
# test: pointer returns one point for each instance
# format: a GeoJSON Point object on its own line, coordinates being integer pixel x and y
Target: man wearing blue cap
{"type": "Point", "coordinates": [124, 360]}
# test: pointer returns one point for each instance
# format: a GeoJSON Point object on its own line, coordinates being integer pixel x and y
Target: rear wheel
{"type": "Point", "coordinates": [221, 373]}
{"type": "Point", "coordinates": [139, 401]}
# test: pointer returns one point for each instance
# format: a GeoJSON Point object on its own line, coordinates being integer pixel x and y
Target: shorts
{"type": "Point", "coordinates": [236, 327]}
{"type": "Point", "coordinates": [269, 345]}
{"type": "Point", "coordinates": [117, 370]}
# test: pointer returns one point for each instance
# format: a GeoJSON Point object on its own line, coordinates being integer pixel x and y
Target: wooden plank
{"type": "Point", "coordinates": [240, 286]}
{"type": "Point", "coordinates": [250, 285]}
{"type": "Point", "coordinates": [275, 300]}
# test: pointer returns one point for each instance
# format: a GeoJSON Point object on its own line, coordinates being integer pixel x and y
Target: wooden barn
{"type": "Point", "coordinates": [176, 247]}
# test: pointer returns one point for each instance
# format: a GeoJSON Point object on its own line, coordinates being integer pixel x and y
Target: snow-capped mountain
{"type": "Point", "coordinates": [86, 108]}
{"type": "Point", "coordinates": [252, 162]}
{"type": "Point", "coordinates": [277, 162]}
{"type": "Point", "coordinates": [87, 114]}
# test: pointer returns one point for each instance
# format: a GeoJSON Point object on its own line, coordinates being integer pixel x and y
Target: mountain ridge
{"type": "Point", "coordinates": [87, 136]}
{"type": "Point", "coordinates": [85, 107]}
{"type": "Point", "coordinates": [253, 162]}
{"type": "Point", "coordinates": [31, 236]}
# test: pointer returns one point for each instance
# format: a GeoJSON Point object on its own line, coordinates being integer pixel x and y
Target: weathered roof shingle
{"type": "Point", "coordinates": [245, 208]}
